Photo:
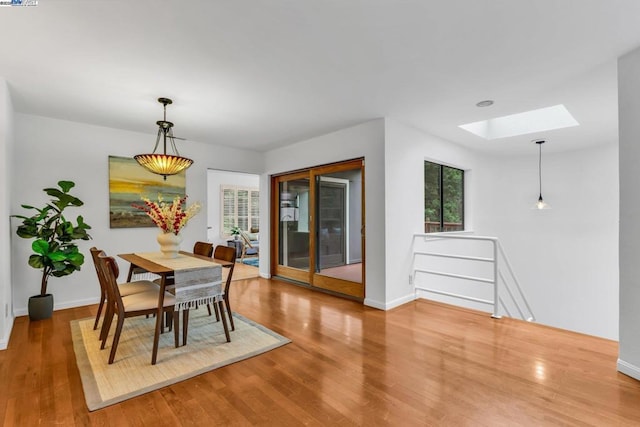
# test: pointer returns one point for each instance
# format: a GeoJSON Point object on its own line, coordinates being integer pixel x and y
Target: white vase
{"type": "Point", "coordinates": [169, 244]}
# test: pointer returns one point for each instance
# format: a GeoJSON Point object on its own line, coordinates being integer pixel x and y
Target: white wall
{"type": "Point", "coordinates": [566, 257]}
{"type": "Point", "coordinates": [6, 168]}
{"type": "Point", "coordinates": [406, 149]}
{"type": "Point", "coordinates": [216, 179]}
{"type": "Point", "coordinates": [49, 150]}
{"type": "Point", "coordinates": [629, 130]}
{"type": "Point", "coordinates": [364, 140]}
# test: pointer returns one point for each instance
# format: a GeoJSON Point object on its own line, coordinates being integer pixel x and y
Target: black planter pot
{"type": "Point", "coordinates": [40, 307]}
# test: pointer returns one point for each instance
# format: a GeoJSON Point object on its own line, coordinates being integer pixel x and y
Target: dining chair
{"type": "Point", "coordinates": [132, 305]}
{"type": "Point", "coordinates": [126, 289]}
{"type": "Point", "coordinates": [227, 253]}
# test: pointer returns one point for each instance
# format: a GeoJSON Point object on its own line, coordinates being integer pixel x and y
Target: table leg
{"type": "Point", "coordinates": [159, 320]}
{"type": "Point", "coordinates": [224, 320]}
{"type": "Point", "coordinates": [130, 275]}
{"type": "Point", "coordinates": [176, 328]}
{"type": "Point", "coordinates": [185, 326]}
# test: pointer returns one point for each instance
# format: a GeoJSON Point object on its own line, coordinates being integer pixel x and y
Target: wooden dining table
{"type": "Point", "coordinates": [154, 263]}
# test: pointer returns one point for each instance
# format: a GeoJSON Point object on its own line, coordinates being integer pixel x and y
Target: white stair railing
{"type": "Point", "coordinates": [498, 261]}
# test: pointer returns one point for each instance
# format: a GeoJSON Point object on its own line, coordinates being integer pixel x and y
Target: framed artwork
{"type": "Point", "coordinates": [128, 182]}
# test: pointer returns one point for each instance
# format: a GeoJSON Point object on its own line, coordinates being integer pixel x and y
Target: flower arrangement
{"type": "Point", "coordinates": [169, 216]}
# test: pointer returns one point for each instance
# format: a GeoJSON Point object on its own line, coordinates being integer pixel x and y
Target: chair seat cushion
{"type": "Point", "coordinates": [137, 287]}
{"type": "Point", "coordinates": [146, 301]}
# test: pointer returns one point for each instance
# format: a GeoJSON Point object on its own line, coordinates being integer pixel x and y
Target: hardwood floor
{"type": "Point", "coordinates": [420, 364]}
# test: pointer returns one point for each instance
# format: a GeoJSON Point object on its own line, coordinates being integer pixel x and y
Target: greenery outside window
{"type": "Point", "coordinates": [443, 198]}
{"type": "Point", "coordinates": [240, 208]}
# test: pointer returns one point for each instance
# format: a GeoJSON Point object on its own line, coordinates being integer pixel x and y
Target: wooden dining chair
{"type": "Point", "coordinates": [126, 289]}
{"type": "Point", "coordinates": [133, 305]}
{"type": "Point", "coordinates": [226, 253]}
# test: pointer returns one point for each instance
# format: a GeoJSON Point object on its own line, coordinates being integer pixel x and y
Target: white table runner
{"type": "Point", "coordinates": [197, 281]}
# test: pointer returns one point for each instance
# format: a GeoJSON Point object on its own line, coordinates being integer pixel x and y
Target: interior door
{"type": "Point", "coordinates": [318, 224]}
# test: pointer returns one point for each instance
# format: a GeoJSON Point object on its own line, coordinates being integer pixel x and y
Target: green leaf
{"type": "Point", "coordinates": [76, 259]}
{"type": "Point", "coordinates": [27, 231]}
{"type": "Point", "coordinates": [57, 256]}
{"type": "Point", "coordinates": [36, 261]}
{"type": "Point", "coordinates": [40, 247]}
{"type": "Point", "coordinates": [59, 266]}
{"type": "Point", "coordinates": [66, 185]}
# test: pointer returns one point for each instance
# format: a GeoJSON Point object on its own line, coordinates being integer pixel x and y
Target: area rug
{"type": "Point", "coordinates": [251, 261]}
{"type": "Point", "coordinates": [132, 374]}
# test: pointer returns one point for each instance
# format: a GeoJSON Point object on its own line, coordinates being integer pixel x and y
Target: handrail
{"type": "Point", "coordinates": [497, 250]}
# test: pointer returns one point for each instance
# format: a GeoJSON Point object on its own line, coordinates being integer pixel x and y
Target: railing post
{"type": "Point", "coordinates": [496, 301]}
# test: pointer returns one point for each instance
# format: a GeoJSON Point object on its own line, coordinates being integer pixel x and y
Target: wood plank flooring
{"type": "Point", "coordinates": [420, 364]}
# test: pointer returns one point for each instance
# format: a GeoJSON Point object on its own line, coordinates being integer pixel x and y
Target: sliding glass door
{"type": "Point", "coordinates": [318, 224]}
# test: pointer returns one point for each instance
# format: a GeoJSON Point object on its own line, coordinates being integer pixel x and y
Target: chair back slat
{"type": "Point", "coordinates": [109, 270]}
{"type": "Point", "coordinates": [203, 248]}
{"type": "Point", "coordinates": [226, 253]}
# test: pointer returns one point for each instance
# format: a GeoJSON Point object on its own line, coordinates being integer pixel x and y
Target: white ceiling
{"type": "Point", "coordinates": [261, 74]}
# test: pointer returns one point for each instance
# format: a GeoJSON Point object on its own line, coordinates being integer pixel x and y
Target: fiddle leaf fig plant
{"type": "Point", "coordinates": [55, 252]}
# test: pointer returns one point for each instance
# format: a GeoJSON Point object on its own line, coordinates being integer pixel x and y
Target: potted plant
{"type": "Point", "coordinates": [235, 232]}
{"type": "Point", "coordinates": [55, 252]}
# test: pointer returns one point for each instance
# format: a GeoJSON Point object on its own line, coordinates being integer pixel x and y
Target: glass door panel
{"type": "Point", "coordinates": [291, 204]}
{"type": "Point", "coordinates": [332, 213]}
{"type": "Point", "coordinates": [294, 224]}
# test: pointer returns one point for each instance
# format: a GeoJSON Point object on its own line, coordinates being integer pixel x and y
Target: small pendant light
{"type": "Point", "coordinates": [540, 204]}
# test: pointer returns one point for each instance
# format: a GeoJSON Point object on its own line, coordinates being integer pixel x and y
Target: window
{"type": "Point", "coordinates": [240, 208]}
{"type": "Point", "coordinates": [443, 198]}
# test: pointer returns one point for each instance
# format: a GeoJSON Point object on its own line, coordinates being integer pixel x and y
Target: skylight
{"type": "Point", "coordinates": [556, 117]}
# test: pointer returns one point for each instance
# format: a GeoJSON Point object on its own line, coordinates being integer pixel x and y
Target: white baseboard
{"type": "Point", "coordinates": [4, 340]}
{"type": "Point", "coordinates": [23, 311]}
{"type": "Point", "coordinates": [391, 304]}
{"type": "Point", "coordinates": [629, 369]}
{"type": "Point", "coordinates": [264, 275]}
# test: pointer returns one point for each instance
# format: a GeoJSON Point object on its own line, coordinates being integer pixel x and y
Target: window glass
{"type": "Point", "coordinates": [443, 198]}
{"type": "Point", "coordinates": [240, 208]}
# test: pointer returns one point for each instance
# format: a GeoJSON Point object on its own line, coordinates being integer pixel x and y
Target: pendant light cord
{"type": "Point", "coordinates": [540, 168]}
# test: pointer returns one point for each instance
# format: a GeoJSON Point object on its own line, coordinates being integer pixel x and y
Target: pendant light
{"type": "Point", "coordinates": [540, 204]}
{"type": "Point", "coordinates": [164, 164]}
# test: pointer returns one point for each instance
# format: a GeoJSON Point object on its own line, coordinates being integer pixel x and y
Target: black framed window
{"type": "Point", "coordinates": [443, 198]}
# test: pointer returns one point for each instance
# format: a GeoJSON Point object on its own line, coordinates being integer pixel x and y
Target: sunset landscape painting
{"type": "Point", "coordinates": [128, 182]}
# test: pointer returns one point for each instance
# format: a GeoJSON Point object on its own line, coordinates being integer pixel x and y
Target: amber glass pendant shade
{"type": "Point", "coordinates": [163, 164]}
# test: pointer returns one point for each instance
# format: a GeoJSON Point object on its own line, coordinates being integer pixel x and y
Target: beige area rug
{"type": "Point", "coordinates": [132, 374]}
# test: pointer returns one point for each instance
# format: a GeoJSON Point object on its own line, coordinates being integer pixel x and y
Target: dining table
{"type": "Point", "coordinates": [197, 270]}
